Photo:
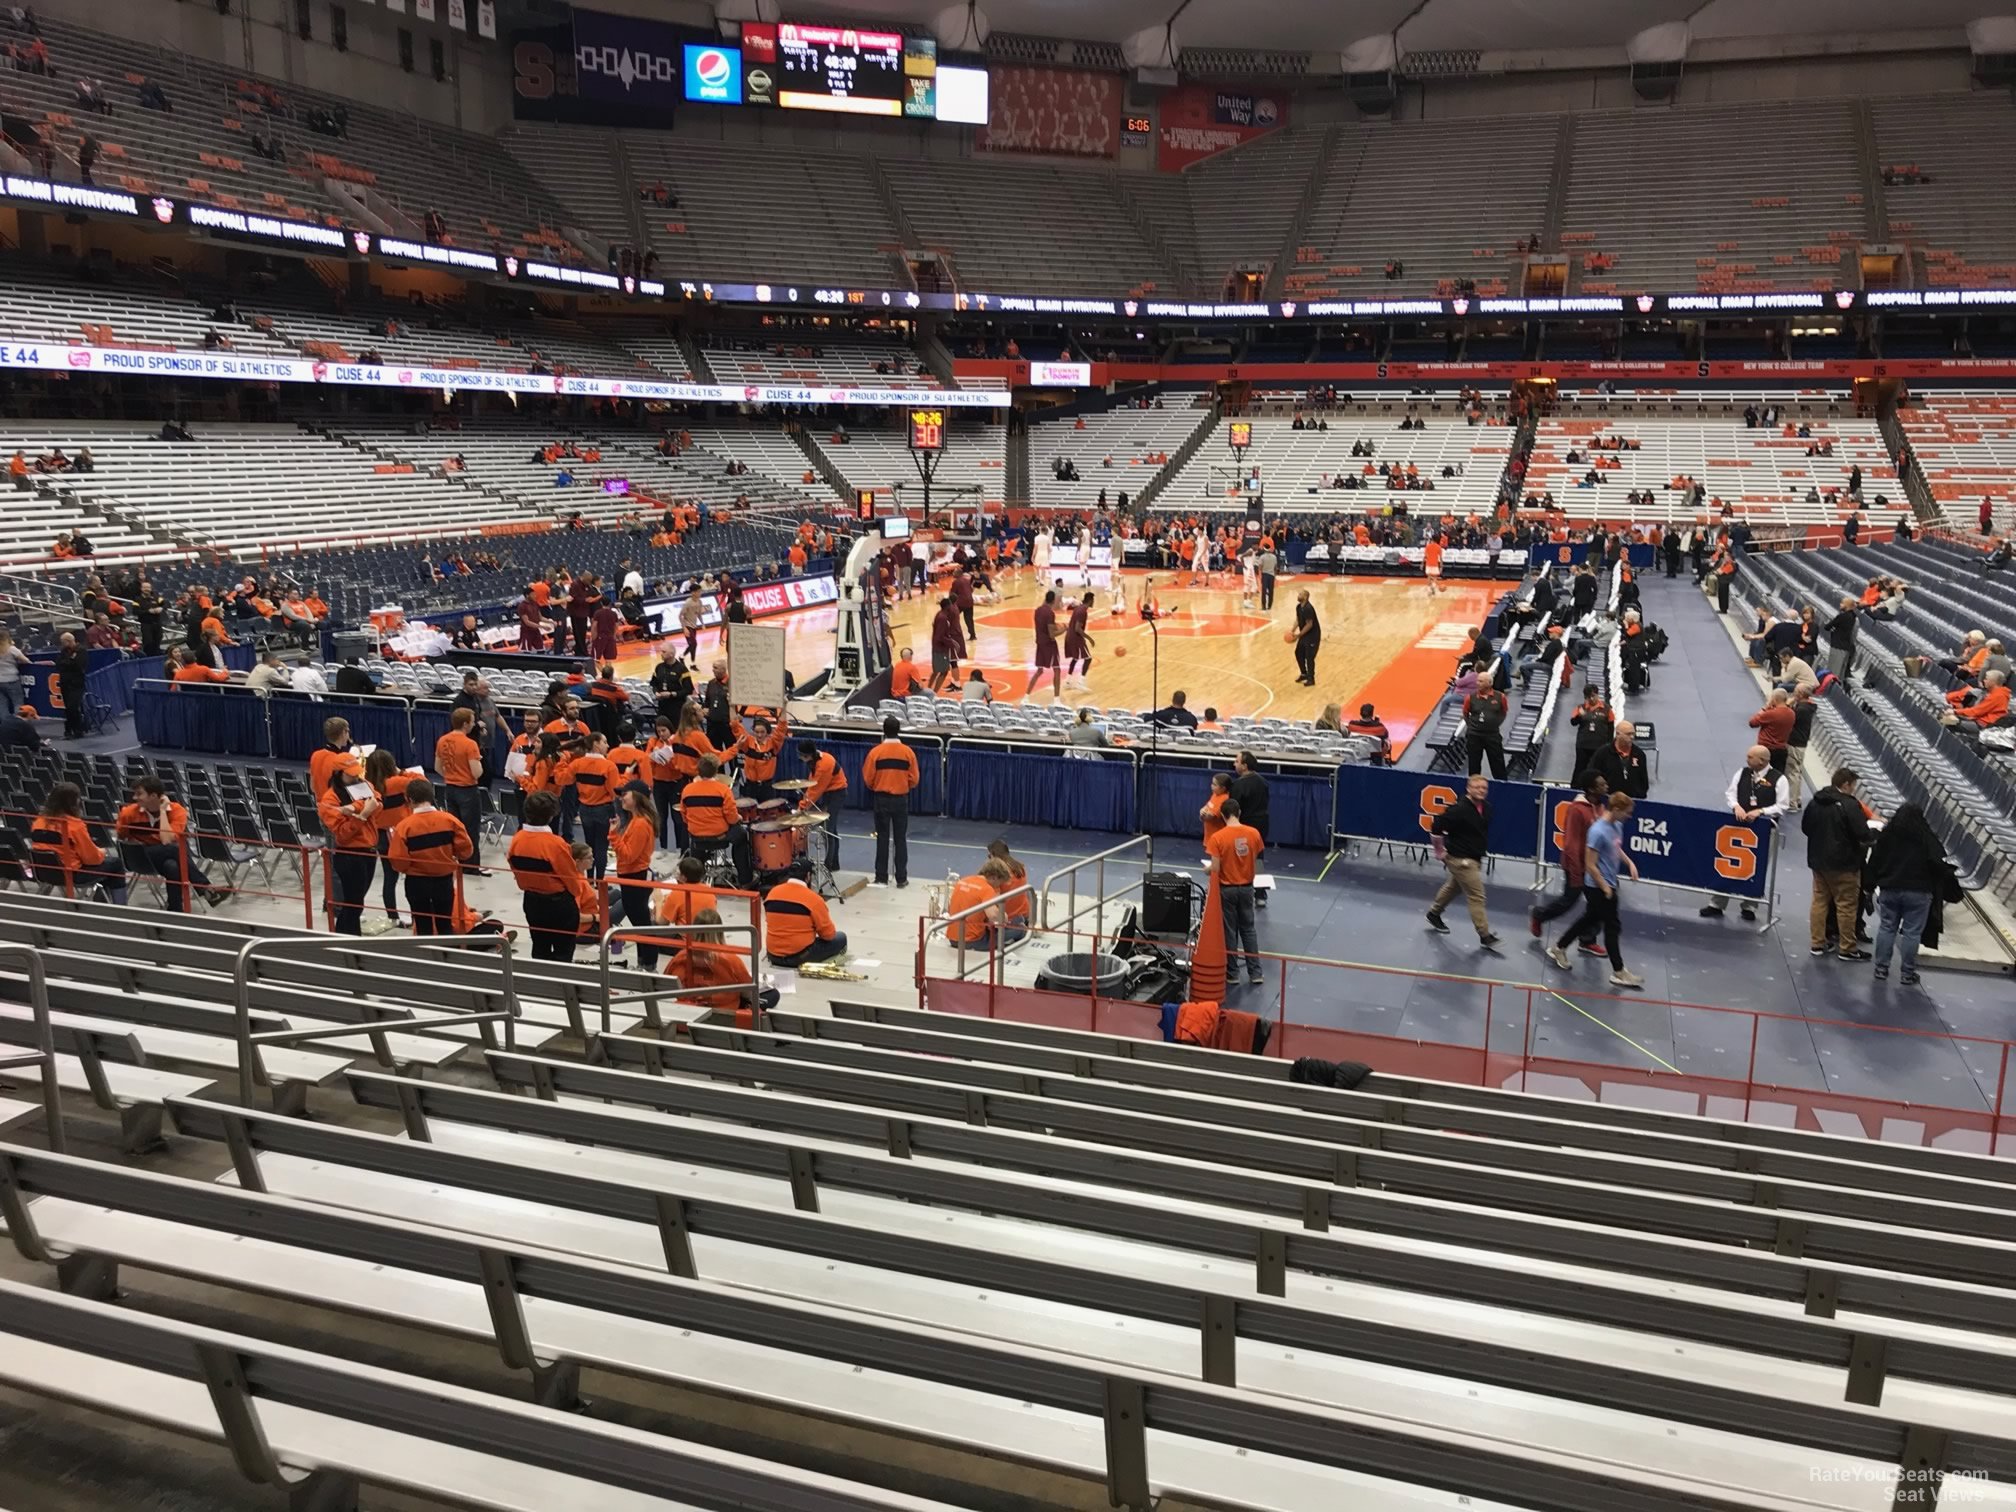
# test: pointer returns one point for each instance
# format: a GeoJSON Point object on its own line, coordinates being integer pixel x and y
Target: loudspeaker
{"type": "Point", "coordinates": [1165, 904]}
{"type": "Point", "coordinates": [1657, 81]}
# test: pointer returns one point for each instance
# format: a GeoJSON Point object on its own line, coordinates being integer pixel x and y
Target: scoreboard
{"type": "Point", "coordinates": [841, 68]}
{"type": "Point", "coordinates": [849, 69]}
{"type": "Point", "coordinates": [927, 430]}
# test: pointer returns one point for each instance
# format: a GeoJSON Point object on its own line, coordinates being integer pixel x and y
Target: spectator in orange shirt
{"type": "Point", "coordinates": [1212, 814]}
{"type": "Point", "coordinates": [904, 675]}
{"type": "Point", "coordinates": [984, 925]}
{"type": "Point", "coordinates": [63, 851]}
{"type": "Point", "coordinates": [157, 827]}
{"type": "Point", "coordinates": [797, 558]}
{"type": "Point", "coordinates": [1015, 909]}
{"type": "Point", "coordinates": [1990, 707]}
{"type": "Point", "coordinates": [1234, 858]}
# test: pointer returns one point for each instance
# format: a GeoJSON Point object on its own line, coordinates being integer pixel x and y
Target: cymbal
{"type": "Point", "coordinates": [794, 785]}
{"type": "Point", "coordinates": [810, 819]}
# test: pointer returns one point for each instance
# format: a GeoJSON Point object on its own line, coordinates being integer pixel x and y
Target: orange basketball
{"type": "Point", "coordinates": [1119, 650]}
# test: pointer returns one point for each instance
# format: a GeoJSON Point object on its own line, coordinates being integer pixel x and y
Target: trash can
{"type": "Point", "coordinates": [1083, 971]}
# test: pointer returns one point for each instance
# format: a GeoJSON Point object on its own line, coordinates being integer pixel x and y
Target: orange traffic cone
{"type": "Point", "coordinates": [1207, 959]}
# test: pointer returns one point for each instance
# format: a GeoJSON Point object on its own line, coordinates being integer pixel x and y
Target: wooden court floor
{"type": "Point", "coordinates": [1385, 640]}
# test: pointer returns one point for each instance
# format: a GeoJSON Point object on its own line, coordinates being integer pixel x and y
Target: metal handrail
{"type": "Point", "coordinates": [250, 1071]}
{"type": "Point", "coordinates": [675, 933]}
{"type": "Point", "coordinates": [1070, 923]}
{"type": "Point", "coordinates": [45, 1040]}
{"type": "Point", "coordinates": [997, 901]}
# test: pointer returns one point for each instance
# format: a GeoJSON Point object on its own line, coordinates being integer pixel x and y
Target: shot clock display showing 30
{"type": "Point", "coordinates": [927, 430]}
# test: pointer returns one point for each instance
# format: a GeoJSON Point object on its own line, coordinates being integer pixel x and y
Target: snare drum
{"type": "Point", "coordinates": [769, 810]}
{"type": "Point", "coordinates": [774, 846]}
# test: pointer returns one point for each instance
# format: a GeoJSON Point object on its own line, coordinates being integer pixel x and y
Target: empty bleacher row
{"type": "Point", "coordinates": [249, 489]}
{"type": "Point", "coordinates": [1965, 445]}
{"type": "Point", "coordinates": [1762, 474]}
{"type": "Point", "coordinates": [1114, 452]}
{"type": "Point", "coordinates": [878, 456]}
{"type": "Point", "coordinates": [1021, 1245]}
{"type": "Point", "coordinates": [203, 148]}
{"type": "Point", "coordinates": [1444, 197]}
{"type": "Point", "coordinates": [1298, 469]}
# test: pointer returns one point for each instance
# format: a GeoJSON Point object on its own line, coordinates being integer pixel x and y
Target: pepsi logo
{"type": "Point", "coordinates": [712, 67]}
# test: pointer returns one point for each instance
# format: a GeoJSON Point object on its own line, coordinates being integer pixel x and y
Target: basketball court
{"type": "Point", "coordinates": [1385, 641]}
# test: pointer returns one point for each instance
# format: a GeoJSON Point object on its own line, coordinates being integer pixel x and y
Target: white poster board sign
{"type": "Point", "coordinates": [756, 665]}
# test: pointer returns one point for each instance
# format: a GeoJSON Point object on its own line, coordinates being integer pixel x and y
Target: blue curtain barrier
{"type": "Point", "coordinates": [1640, 554]}
{"type": "Point", "coordinates": [1298, 802]}
{"type": "Point", "coordinates": [1028, 787]}
{"type": "Point", "coordinates": [187, 717]}
{"type": "Point", "coordinates": [852, 750]}
{"type": "Point", "coordinates": [298, 721]}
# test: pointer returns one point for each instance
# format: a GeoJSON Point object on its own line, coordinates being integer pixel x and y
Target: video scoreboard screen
{"type": "Point", "coordinates": [840, 68]}
{"type": "Point", "coordinates": [848, 69]}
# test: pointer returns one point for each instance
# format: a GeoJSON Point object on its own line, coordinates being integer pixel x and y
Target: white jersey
{"type": "Point", "coordinates": [1040, 552]}
{"type": "Point", "coordinates": [1252, 574]}
{"type": "Point", "coordinates": [1201, 561]}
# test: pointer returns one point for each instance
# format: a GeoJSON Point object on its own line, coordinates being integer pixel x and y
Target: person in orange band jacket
{"type": "Point", "coordinates": [542, 864]}
{"type": "Point", "coordinates": [707, 960]}
{"type": "Point", "coordinates": [822, 769]}
{"type": "Point", "coordinates": [798, 926]}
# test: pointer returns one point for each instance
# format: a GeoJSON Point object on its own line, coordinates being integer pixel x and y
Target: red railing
{"type": "Point", "coordinates": [1511, 1051]}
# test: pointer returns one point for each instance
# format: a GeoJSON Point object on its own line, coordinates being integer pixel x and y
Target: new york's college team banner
{"type": "Point", "coordinates": [1673, 845]}
{"type": "Point", "coordinates": [1707, 849]}
{"type": "Point", "coordinates": [1382, 803]}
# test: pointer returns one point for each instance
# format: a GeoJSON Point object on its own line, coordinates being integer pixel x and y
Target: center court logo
{"type": "Point", "coordinates": [713, 75]}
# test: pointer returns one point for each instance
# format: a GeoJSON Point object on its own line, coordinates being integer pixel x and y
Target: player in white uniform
{"type": "Point", "coordinates": [1119, 591]}
{"type": "Point", "coordinates": [1249, 593]}
{"type": "Point", "coordinates": [1040, 556]}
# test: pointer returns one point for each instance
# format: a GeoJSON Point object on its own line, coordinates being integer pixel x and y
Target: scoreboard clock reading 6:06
{"type": "Point", "coordinates": [927, 430]}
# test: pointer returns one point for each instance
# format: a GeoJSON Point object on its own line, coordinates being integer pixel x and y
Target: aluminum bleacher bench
{"type": "Point", "coordinates": [13, 1113]}
{"type": "Point", "coordinates": [316, 1427]}
{"type": "Point", "coordinates": [1391, 1221]}
{"type": "Point", "coordinates": [904, 1260]}
{"type": "Point", "coordinates": [1524, 1117]}
{"type": "Point", "coordinates": [550, 993]}
{"type": "Point", "coordinates": [112, 1069]}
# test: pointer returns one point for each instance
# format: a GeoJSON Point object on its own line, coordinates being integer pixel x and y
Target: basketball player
{"type": "Point", "coordinates": [1078, 645]}
{"type": "Point", "coordinates": [1200, 558]}
{"type": "Point", "coordinates": [1249, 593]}
{"type": "Point", "coordinates": [1046, 648]}
{"type": "Point", "coordinates": [1040, 556]}
{"type": "Point", "coordinates": [1119, 593]}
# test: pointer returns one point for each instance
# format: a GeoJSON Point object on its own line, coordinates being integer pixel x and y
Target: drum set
{"type": "Point", "coordinates": [790, 844]}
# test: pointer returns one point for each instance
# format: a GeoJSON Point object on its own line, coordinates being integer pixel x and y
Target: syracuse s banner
{"type": "Point", "coordinates": [1706, 849]}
